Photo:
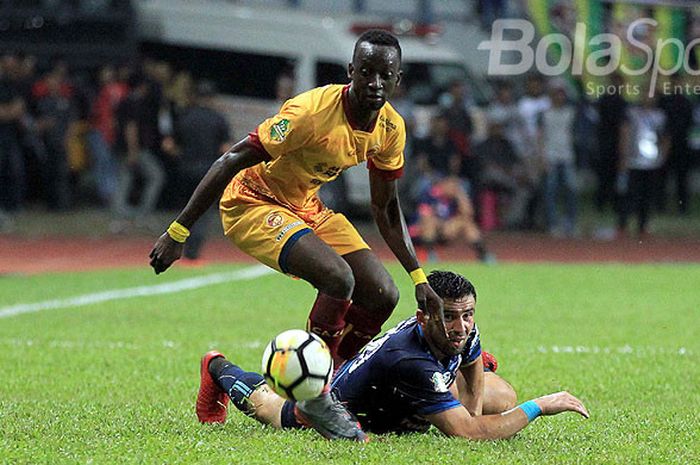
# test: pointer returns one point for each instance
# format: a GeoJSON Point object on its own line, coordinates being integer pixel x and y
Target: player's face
{"type": "Point", "coordinates": [375, 72]}
{"type": "Point", "coordinates": [459, 321]}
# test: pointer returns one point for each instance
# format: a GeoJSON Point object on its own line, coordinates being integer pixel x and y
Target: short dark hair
{"type": "Point", "coordinates": [378, 37]}
{"type": "Point", "coordinates": [449, 285]}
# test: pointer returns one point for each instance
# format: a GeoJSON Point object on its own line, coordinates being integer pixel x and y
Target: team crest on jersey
{"type": "Point", "coordinates": [274, 220]}
{"type": "Point", "coordinates": [279, 130]}
{"type": "Point", "coordinates": [440, 381]}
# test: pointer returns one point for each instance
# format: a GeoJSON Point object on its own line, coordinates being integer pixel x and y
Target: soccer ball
{"type": "Point", "coordinates": [297, 365]}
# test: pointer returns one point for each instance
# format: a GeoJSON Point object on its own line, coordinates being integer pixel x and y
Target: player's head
{"type": "Point", "coordinates": [459, 299]}
{"type": "Point", "coordinates": [375, 69]}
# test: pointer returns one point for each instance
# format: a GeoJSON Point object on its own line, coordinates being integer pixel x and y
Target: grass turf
{"type": "Point", "coordinates": [115, 382]}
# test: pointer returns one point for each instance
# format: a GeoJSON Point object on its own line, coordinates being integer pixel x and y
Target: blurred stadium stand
{"type": "Point", "coordinates": [87, 33]}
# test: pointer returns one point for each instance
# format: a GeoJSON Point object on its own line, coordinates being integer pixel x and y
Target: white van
{"type": "Point", "coordinates": [245, 49]}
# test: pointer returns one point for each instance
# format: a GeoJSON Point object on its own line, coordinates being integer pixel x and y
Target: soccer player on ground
{"type": "Point", "coordinates": [414, 376]}
{"type": "Point", "coordinates": [270, 208]}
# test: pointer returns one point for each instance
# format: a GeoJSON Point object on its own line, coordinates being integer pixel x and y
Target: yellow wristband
{"type": "Point", "coordinates": [418, 276]}
{"type": "Point", "coordinates": [178, 232]}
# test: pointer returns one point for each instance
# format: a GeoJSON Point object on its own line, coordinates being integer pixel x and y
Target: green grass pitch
{"type": "Point", "coordinates": [114, 382]}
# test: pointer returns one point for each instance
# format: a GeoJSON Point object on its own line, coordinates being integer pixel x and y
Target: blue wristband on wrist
{"type": "Point", "coordinates": [531, 409]}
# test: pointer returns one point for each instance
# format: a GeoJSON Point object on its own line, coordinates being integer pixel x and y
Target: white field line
{"type": "Point", "coordinates": [140, 291]}
{"type": "Point", "coordinates": [619, 351]}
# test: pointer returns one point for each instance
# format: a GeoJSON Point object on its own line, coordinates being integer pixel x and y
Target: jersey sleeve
{"type": "Point", "coordinates": [288, 130]}
{"type": "Point", "coordinates": [424, 387]}
{"type": "Point", "coordinates": [390, 159]}
{"type": "Point", "coordinates": [473, 348]}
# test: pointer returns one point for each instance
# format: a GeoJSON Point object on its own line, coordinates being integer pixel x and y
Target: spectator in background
{"type": "Point", "coordinates": [32, 144]}
{"type": "Point", "coordinates": [179, 91]}
{"type": "Point", "coordinates": [490, 11]}
{"type": "Point", "coordinates": [406, 108]}
{"type": "Point", "coordinates": [436, 156]}
{"type": "Point", "coordinates": [136, 146]}
{"type": "Point", "coordinates": [530, 106]}
{"type": "Point", "coordinates": [444, 215]}
{"type": "Point", "coordinates": [103, 132]}
{"type": "Point", "coordinates": [556, 146]}
{"type": "Point", "coordinates": [504, 111]}
{"type": "Point", "coordinates": [645, 145]}
{"type": "Point", "coordinates": [504, 188]}
{"type": "Point", "coordinates": [679, 116]}
{"type": "Point", "coordinates": [59, 72]}
{"type": "Point", "coordinates": [612, 109]}
{"type": "Point", "coordinates": [444, 211]}
{"type": "Point", "coordinates": [55, 112]}
{"type": "Point", "coordinates": [12, 111]}
{"type": "Point", "coordinates": [201, 136]}
{"type": "Point", "coordinates": [456, 108]}
{"type": "Point", "coordinates": [284, 88]}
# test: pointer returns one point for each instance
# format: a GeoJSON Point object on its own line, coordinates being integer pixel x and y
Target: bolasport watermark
{"type": "Point", "coordinates": [510, 56]}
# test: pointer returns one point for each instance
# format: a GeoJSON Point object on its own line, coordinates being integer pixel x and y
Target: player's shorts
{"type": "Point", "coordinates": [267, 230]}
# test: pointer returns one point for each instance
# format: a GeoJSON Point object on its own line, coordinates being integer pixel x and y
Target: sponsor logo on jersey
{"type": "Point", "coordinates": [274, 220]}
{"type": "Point", "coordinates": [279, 130]}
{"type": "Point", "coordinates": [286, 229]}
{"type": "Point", "coordinates": [386, 123]}
{"type": "Point", "coordinates": [440, 381]}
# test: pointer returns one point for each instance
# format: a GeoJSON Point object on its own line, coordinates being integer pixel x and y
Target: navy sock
{"type": "Point", "coordinates": [287, 416]}
{"type": "Point", "coordinates": [238, 384]}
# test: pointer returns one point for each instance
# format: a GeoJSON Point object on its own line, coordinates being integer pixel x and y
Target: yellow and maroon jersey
{"type": "Point", "coordinates": [312, 140]}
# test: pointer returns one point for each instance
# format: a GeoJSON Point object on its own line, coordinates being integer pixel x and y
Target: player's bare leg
{"type": "Point", "coordinates": [429, 227]}
{"type": "Point", "coordinates": [465, 227]}
{"type": "Point", "coordinates": [251, 395]}
{"type": "Point", "coordinates": [373, 300]}
{"type": "Point", "coordinates": [499, 395]}
{"type": "Point", "coordinates": [317, 263]}
{"type": "Point", "coordinates": [266, 406]}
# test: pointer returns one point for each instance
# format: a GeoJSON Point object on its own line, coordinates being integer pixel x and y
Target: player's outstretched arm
{"type": "Point", "coordinates": [458, 422]}
{"type": "Point", "coordinates": [388, 216]}
{"type": "Point", "coordinates": [169, 246]}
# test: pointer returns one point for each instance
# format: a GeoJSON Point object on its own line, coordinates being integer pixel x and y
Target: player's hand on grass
{"type": "Point", "coordinates": [165, 252]}
{"type": "Point", "coordinates": [561, 402]}
{"type": "Point", "coordinates": [430, 302]}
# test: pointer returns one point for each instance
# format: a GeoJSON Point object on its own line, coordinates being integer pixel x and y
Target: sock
{"type": "Point", "coordinates": [238, 384]}
{"type": "Point", "coordinates": [362, 325]}
{"type": "Point", "coordinates": [327, 320]}
{"type": "Point", "coordinates": [287, 417]}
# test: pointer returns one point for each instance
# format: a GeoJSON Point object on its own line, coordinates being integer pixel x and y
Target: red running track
{"type": "Point", "coordinates": [20, 255]}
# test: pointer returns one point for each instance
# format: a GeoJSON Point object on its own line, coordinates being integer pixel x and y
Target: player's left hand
{"type": "Point", "coordinates": [430, 302]}
{"type": "Point", "coordinates": [165, 252]}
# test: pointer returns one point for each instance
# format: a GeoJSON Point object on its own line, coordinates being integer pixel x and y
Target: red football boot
{"type": "Point", "coordinates": [490, 362]}
{"type": "Point", "coordinates": [211, 399]}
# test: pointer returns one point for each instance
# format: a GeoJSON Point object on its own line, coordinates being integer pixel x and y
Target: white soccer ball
{"type": "Point", "coordinates": [297, 365]}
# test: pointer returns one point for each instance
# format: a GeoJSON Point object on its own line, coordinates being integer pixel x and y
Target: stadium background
{"type": "Point", "coordinates": [98, 360]}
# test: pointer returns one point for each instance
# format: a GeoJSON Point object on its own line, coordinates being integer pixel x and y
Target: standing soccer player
{"type": "Point", "coordinates": [268, 184]}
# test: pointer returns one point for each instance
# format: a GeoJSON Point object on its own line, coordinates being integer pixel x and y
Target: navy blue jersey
{"type": "Point", "coordinates": [396, 379]}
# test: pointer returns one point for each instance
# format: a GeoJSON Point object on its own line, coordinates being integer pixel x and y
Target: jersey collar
{"type": "Point", "coordinates": [346, 109]}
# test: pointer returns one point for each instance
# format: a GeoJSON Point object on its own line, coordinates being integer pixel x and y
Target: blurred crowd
{"type": "Point", "coordinates": [129, 138]}
{"type": "Point", "coordinates": [521, 159]}
{"type": "Point", "coordinates": [136, 138]}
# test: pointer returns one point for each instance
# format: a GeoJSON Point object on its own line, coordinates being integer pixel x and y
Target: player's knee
{"type": "Point", "coordinates": [337, 280]}
{"type": "Point", "coordinates": [388, 298]}
{"type": "Point", "coordinates": [501, 398]}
